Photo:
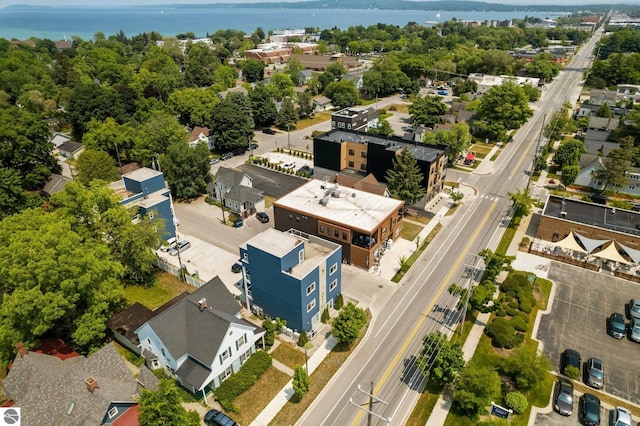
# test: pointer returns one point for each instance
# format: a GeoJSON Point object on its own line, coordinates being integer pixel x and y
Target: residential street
{"type": "Point", "coordinates": [385, 357]}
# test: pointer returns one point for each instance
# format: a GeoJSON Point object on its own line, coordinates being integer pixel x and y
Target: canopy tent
{"type": "Point", "coordinates": [632, 253]}
{"type": "Point", "coordinates": [471, 157]}
{"type": "Point", "coordinates": [569, 242]}
{"type": "Point", "coordinates": [611, 253]}
{"type": "Point", "coordinates": [589, 243]}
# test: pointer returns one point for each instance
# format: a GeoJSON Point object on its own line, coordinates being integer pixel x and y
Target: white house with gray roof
{"type": "Point", "coordinates": [235, 190]}
{"type": "Point", "coordinates": [201, 340]}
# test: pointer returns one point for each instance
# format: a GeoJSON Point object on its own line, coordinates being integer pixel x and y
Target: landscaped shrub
{"type": "Point", "coordinates": [270, 332]}
{"type": "Point", "coordinates": [513, 304]}
{"type": "Point", "coordinates": [519, 324]}
{"type": "Point", "coordinates": [511, 311]}
{"type": "Point", "coordinates": [239, 382]}
{"type": "Point", "coordinates": [525, 306]}
{"type": "Point", "coordinates": [514, 282]}
{"type": "Point", "coordinates": [325, 315]}
{"type": "Point", "coordinates": [501, 313]}
{"type": "Point", "coordinates": [517, 402]}
{"type": "Point", "coordinates": [523, 316]}
{"type": "Point", "coordinates": [572, 372]}
{"type": "Point", "coordinates": [501, 332]}
{"type": "Point", "coordinates": [303, 339]}
{"type": "Point", "coordinates": [339, 302]}
{"type": "Point", "coordinates": [511, 294]}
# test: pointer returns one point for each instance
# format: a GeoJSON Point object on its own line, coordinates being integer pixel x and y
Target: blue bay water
{"type": "Point", "coordinates": [55, 23]}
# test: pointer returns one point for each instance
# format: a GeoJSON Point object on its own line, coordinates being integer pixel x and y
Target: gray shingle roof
{"type": "Point", "coordinates": [70, 146]}
{"type": "Point", "coordinates": [45, 387]}
{"type": "Point", "coordinates": [193, 373]}
{"type": "Point", "coordinates": [241, 194]}
{"type": "Point", "coordinates": [229, 177]}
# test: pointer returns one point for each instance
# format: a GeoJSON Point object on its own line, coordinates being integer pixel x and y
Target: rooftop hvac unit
{"type": "Point", "coordinates": [324, 201]}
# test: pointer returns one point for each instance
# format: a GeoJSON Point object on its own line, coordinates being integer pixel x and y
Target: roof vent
{"type": "Point", "coordinates": [324, 201]}
{"type": "Point", "coordinates": [353, 195]}
{"type": "Point", "coordinates": [91, 384]}
{"type": "Point", "coordinates": [563, 214]}
{"type": "Point", "coordinates": [335, 193]}
{"type": "Point", "coordinates": [202, 304]}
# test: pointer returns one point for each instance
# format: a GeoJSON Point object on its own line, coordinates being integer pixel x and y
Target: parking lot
{"type": "Point", "coordinates": [582, 303]}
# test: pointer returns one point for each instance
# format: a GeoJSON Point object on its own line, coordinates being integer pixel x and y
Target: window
{"type": "Point", "coordinates": [384, 231]}
{"type": "Point", "coordinates": [329, 230]}
{"type": "Point", "coordinates": [333, 285]}
{"type": "Point", "coordinates": [241, 341]}
{"type": "Point", "coordinates": [349, 125]}
{"type": "Point", "coordinates": [311, 305]}
{"type": "Point", "coordinates": [225, 355]}
{"type": "Point", "coordinates": [336, 233]}
{"type": "Point", "coordinates": [301, 256]}
{"type": "Point", "coordinates": [363, 166]}
{"type": "Point", "coordinates": [245, 356]}
{"type": "Point", "coordinates": [225, 375]}
{"type": "Point", "coordinates": [290, 217]}
{"type": "Point", "coordinates": [322, 229]}
{"type": "Point", "coordinates": [113, 412]}
{"type": "Point", "coordinates": [352, 152]}
{"type": "Point", "coordinates": [344, 235]}
{"type": "Point", "coordinates": [363, 154]}
{"type": "Point", "coordinates": [311, 288]}
{"type": "Point", "coordinates": [333, 269]}
{"type": "Point", "coordinates": [333, 124]}
{"type": "Point", "coordinates": [155, 364]}
{"type": "Point", "coordinates": [163, 354]}
{"type": "Point", "coordinates": [297, 218]}
{"type": "Point", "coordinates": [351, 164]}
{"type": "Point", "coordinates": [245, 257]}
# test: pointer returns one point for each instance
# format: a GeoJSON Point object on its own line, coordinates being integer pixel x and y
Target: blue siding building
{"type": "Point", "coordinates": [291, 275]}
{"type": "Point", "coordinates": [145, 192]}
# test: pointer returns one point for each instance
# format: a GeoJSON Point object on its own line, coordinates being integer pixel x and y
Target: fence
{"type": "Point", "coordinates": [194, 281]}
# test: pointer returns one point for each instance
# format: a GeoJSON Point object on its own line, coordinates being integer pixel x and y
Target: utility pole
{"type": "Point", "coordinates": [369, 409]}
{"type": "Point", "coordinates": [535, 157]}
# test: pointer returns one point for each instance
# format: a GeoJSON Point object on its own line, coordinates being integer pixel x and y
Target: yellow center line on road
{"type": "Point", "coordinates": [410, 338]}
{"type": "Point", "coordinates": [516, 169]}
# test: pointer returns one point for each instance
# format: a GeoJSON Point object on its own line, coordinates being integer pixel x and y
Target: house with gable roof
{"type": "Point", "coordinates": [201, 340]}
{"type": "Point", "coordinates": [235, 190]}
{"type": "Point", "coordinates": [95, 390]}
{"type": "Point", "coordinates": [201, 134]}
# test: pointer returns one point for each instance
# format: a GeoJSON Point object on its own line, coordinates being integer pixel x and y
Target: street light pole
{"type": "Point", "coordinates": [288, 138]}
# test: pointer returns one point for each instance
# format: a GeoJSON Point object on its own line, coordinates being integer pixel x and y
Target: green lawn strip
{"type": "Point", "coordinates": [414, 256]}
{"type": "Point", "coordinates": [167, 287]}
{"type": "Point", "coordinates": [317, 118]}
{"type": "Point", "coordinates": [426, 402]}
{"type": "Point", "coordinates": [496, 155]}
{"type": "Point", "coordinates": [292, 411]}
{"type": "Point", "coordinates": [508, 235]}
{"type": "Point", "coordinates": [287, 354]}
{"type": "Point", "coordinates": [410, 230]}
{"type": "Point", "coordinates": [257, 397]}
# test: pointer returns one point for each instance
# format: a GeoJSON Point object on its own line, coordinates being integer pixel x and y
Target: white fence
{"type": "Point", "coordinates": [176, 271]}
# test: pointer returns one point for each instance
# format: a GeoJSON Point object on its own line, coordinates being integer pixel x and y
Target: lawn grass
{"type": "Point", "coordinates": [410, 230]}
{"type": "Point", "coordinates": [414, 256]}
{"type": "Point", "coordinates": [481, 149]}
{"type": "Point", "coordinates": [317, 118]}
{"type": "Point", "coordinates": [292, 411]}
{"type": "Point", "coordinates": [508, 235]}
{"type": "Point", "coordinates": [425, 404]}
{"type": "Point", "coordinates": [288, 354]}
{"type": "Point", "coordinates": [255, 399]}
{"type": "Point", "coordinates": [403, 108]}
{"type": "Point", "coordinates": [167, 287]}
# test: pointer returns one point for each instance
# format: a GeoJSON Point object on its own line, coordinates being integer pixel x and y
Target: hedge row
{"type": "Point", "coordinates": [241, 381]}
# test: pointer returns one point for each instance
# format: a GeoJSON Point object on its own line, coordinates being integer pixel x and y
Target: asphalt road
{"type": "Point", "coordinates": [385, 357]}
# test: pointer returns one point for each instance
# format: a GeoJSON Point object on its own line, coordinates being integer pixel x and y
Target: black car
{"type": "Point", "coordinates": [217, 418]}
{"type": "Point", "coordinates": [570, 358]}
{"type": "Point", "coordinates": [253, 146]}
{"type": "Point", "coordinates": [268, 131]}
{"type": "Point", "coordinates": [262, 217]}
{"type": "Point", "coordinates": [616, 326]}
{"type": "Point", "coordinates": [236, 268]}
{"type": "Point", "coordinates": [226, 156]}
{"type": "Point", "coordinates": [590, 410]}
{"type": "Point", "coordinates": [564, 398]}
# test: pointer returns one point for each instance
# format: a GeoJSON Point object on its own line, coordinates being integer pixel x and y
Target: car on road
{"type": "Point", "coordinates": [236, 268]}
{"type": "Point", "coordinates": [570, 358]}
{"type": "Point", "coordinates": [262, 217]}
{"type": "Point", "coordinates": [226, 156]}
{"type": "Point", "coordinates": [634, 308]}
{"type": "Point", "coordinates": [590, 410]}
{"type": "Point", "coordinates": [621, 417]}
{"type": "Point", "coordinates": [218, 418]}
{"type": "Point", "coordinates": [443, 92]}
{"type": "Point", "coordinates": [238, 222]}
{"type": "Point", "coordinates": [214, 161]}
{"type": "Point", "coordinates": [171, 243]}
{"type": "Point", "coordinates": [634, 330]}
{"type": "Point", "coordinates": [290, 165]}
{"type": "Point", "coordinates": [595, 373]}
{"type": "Point", "coordinates": [564, 398]}
{"type": "Point", "coordinates": [253, 146]}
{"type": "Point", "coordinates": [180, 247]}
{"type": "Point", "coordinates": [269, 131]}
{"type": "Point", "coordinates": [617, 326]}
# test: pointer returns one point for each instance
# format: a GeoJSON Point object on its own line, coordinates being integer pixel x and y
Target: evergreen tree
{"type": "Point", "coordinates": [404, 180]}
{"type": "Point", "coordinates": [301, 381]}
{"type": "Point", "coordinates": [287, 116]}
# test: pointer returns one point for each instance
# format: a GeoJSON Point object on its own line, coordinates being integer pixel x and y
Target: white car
{"type": "Point", "coordinates": [621, 417]}
{"type": "Point", "coordinates": [290, 165]}
{"type": "Point", "coordinates": [170, 244]}
{"type": "Point", "coordinates": [180, 247]}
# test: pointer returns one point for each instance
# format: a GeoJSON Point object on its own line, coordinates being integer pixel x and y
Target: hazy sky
{"type": "Point", "coordinates": [4, 3]}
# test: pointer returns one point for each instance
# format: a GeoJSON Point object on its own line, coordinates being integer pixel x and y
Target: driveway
{"type": "Point", "coordinates": [582, 302]}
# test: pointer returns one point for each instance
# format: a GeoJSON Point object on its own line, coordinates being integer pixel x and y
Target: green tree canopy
{"type": "Point", "coordinates": [569, 153]}
{"type": "Point", "coordinates": [187, 169]}
{"type": "Point", "coordinates": [164, 407]}
{"type": "Point", "coordinates": [288, 115]}
{"type": "Point", "coordinates": [157, 135]}
{"type": "Point", "coordinates": [93, 165]}
{"type": "Point", "coordinates": [440, 359]}
{"type": "Point", "coordinates": [253, 70]}
{"type": "Point", "coordinates": [230, 126]}
{"type": "Point", "coordinates": [92, 101]}
{"type": "Point", "coordinates": [426, 110]}
{"type": "Point", "coordinates": [263, 106]}
{"type": "Point", "coordinates": [404, 180]}
{"type": "Point", "coordinates": [193, 105]}
{"type": "Point", "coordinates": [614, 170]}
{"type": "Point", "coordinates": [301, 381]}
{"type": "Point", "coordinates": [503, 108]}
{"type": "Point", "coordinates": [347, 325]}
{"type": "Point", "coordinates": [477, 387]}
{"type": "Point", "coordinates": [342, 93]}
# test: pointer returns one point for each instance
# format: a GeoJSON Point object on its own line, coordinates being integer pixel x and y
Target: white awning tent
{"type": "Point", "coordinates": [632, 253]}
{"type": "Point", "coordinates": [611, 253]}
{"type": "Point", "coordinates": [569, 242]}
{"type": "Point", "coordinates": [589, 243]}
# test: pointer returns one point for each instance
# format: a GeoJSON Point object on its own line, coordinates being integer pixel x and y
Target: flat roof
{"type": "Point", "coordinates": [352, 208]}
{"type": "Point", "coordinates": [141, 174]}
{"type": "Point", "coordinates": [420, 150]}
{"type": "Point", "coordinates": [599, 215]}
{"type": "Point", "coordinates": [279, 243]}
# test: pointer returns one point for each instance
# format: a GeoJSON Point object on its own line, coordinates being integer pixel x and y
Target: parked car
{"type": "Point", "coordinates": [595, 373]}
{"type": "Point", "coordinates": [262, 217]}
{"type": "Point", "coordinates": [268, 131]}
{"type": "Point", "coordinates": [590, 410]}
{"type": "Point", "coordinates": [237, 223]}
{"type": "Point", "coordinates": [443, 92]}
{"type": "Point", "coordinates": [236, 267]}
{"type": "Point", "coordinates": [634, 330]}
{"type": "Point", "coordinates": [253, 146]}
{"type": "Point", "coordinates": [564, 398]}
{"type": "Point", "coordinates": [617, 326]}
{"type": "Point", "coordinates": [634, 308]}
{"type": "Point", "coordinates": [570, 358]}
{"type": "Point", "coordinates": [226, 156]}
{"type": "Point", "coordinates": [180, 247]}
{"type": "Point", "coordinates": [404, 96]}
{"type": "Point", "coordinates": [217, 418]}
{"type": "Point", "coordinates": [290, 165]}
{"type": "Point", "coordinates": [214, 161]}
{"type": "Point", "coordinates": [171, 243]}
{"type": "Point", "coordinates": [621, 417]}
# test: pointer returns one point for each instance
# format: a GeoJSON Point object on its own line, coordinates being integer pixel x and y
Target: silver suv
{"type": "Point", "coordinates": [621, 417]}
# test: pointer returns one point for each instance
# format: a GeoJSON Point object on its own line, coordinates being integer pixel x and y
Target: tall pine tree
{"type": "Point", "coordinates": [404, 181]}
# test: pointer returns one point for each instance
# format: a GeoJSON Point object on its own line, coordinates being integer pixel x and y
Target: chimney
{"type": "Point", "coordinates": [202, 304]}
{"type": "Point", "coordinates": [91, 384]}
{"type": "Point", "coordinates": [22, 351]}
